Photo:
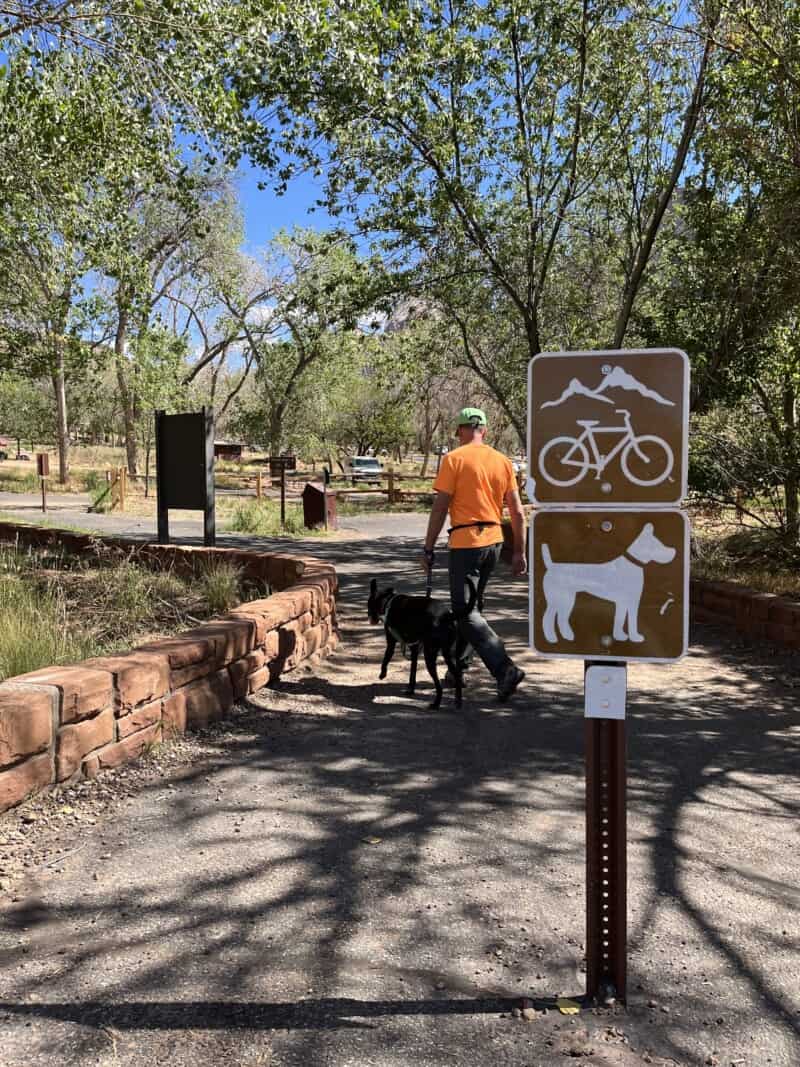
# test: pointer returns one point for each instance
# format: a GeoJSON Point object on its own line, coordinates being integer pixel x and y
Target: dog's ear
{"type": "Point", "coordinates": [373, 586]}
{"type": "Point", "coordinates": [648, 529]}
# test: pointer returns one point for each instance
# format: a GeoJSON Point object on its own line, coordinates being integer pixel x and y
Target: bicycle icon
{"type": "Point", "coordinates": [645, 459]}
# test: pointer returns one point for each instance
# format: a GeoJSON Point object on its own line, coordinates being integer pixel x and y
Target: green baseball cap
{"type": "Point", "coordinates": [471, 417]}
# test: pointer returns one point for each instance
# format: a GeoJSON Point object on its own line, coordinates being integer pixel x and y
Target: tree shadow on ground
{"type": "Point", "coordinates": [342, 832]}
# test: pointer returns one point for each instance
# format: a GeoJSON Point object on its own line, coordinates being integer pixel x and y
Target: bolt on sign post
{"type": "Point", "coordinates": [609, 576]}
{"type": "Point", "coordinates": [185, 469]}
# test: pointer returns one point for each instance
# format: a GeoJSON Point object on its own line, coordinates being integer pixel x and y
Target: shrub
{"type": "Point", "coordinates": [219, 583]}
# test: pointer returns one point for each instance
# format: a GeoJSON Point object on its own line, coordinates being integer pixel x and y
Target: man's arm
{"type": "Point", "coordinates": [514, 504]}
{"type": "Point", "coordinates": [439, 509]}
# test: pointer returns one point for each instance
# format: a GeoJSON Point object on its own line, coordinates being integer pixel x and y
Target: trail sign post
{"type": "Point", "coordinates": [185, 468]}
{"type": "Point", "coordinates": [280, 465]}
{"type": "Point", "coordinates": [43, 469]}
{"type": "Point", "coordinates": [609, 581]}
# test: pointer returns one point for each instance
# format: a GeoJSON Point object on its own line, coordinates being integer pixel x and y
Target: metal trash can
{"type": "Point", "coordinates": [314, 500]}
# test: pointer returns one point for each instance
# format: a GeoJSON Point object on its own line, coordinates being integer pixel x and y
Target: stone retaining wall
{"type": "Point", "coordinates": [63, 723]}
{"type": "Point", "coordinates": [759, 615]}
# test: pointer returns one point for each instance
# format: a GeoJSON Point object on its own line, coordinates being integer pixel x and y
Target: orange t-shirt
{"type": "Point", "coordinates": [477, 478]}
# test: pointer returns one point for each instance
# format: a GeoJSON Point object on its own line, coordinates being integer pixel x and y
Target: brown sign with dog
{"type": "Point", "coordinates": [608, 428]}
{"type": "Point", "coordinates": [609, 584]}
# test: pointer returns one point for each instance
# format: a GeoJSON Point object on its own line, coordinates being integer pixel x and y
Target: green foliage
{"type": "Point", "coordinates": [263, 519]}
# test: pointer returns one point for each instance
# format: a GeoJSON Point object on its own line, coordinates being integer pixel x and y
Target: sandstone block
{"type": "Point", "coordinates": [784, 612]}
{"type": "Point", "coordinates": [79, 739]}
{"type": "Point", "coordinates": [271, 644]}
{"type": "Point", "coordinates": [173, 714]}
{"type": "Point", "coordinates": [125, 751]}
{"type": "Point", "coordinates": [83, 691]}
{"type": "Point", "coordinates": [26, 721]}
{"type": "Point", "coordinates": [207, 699]}
{"type": "Point", "coordinates": [139, 718]}
{"type": "Point", "coordinates": [314, 639]}
{"type": "Point", "coordinates": [26, 778]}
{"type": "Point", "coordinates": [139, 677]}
{"type": "Point", "coordinates": [259, 622]}
{"type": "Point", "coordinates": [258, 679]}
{"type": "Point", "coordinates": [240, 670]}
{"type": "Point", "coordinates": [235, 636]}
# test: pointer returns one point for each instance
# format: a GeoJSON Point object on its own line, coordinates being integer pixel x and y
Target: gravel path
{"type": "Point", "coordinates": [338, 876]}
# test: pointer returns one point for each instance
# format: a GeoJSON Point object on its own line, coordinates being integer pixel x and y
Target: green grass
{"type": "Point", "coordinates": [56, 608]}
{"type": "Point", "coordinates": [33, 622]}
{"type": "Point", "coordinates": [361, 506]}
{"type": "Point", "coordinates": [263, 519]}
{"type": "Point", "coordinates": [14, 480]}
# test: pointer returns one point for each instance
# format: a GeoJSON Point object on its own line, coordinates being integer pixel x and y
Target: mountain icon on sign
{"type": "Point", "coordinates": [617, 378]}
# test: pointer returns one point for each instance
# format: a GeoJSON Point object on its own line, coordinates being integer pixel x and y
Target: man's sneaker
{"type": "Point", "coordinates": [508, 682]}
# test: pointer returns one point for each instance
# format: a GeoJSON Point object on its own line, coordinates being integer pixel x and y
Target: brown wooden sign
{"type": "Point", "coordinates": [279, 463]}
{"type": "Point", "coordinates": [608, 428]}
{"type": "Point", "coordinates": [609, 584]}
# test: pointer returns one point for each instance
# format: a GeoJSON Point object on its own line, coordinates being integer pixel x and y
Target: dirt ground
{"type": "Point", "coordinates": [338, 876]}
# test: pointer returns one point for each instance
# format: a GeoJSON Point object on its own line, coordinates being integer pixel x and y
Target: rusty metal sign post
{"type": "Point", "coordinates": [609, 582]}
{"type": "Point", "coordinates": [280, 465]}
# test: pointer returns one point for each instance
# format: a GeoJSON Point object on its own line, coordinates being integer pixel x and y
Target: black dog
{"type": "Point", "coordinates": [419, 620]}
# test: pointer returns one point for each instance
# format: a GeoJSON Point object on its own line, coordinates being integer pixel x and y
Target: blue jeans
{"type": "Point", "coordinates": [477, 564]}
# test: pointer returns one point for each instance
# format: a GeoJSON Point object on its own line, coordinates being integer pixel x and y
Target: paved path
{"type": "Point", "coordinates": [345, 878]}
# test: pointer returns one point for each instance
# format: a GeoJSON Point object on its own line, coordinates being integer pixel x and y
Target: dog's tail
{"type": "Point", "coordinates": [548, 559]}
{"type": "Point", "coordinates": [473, 596]}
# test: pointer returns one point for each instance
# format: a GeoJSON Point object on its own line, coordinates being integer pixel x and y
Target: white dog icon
{"type": "Point", "coordinates": [619, 581]}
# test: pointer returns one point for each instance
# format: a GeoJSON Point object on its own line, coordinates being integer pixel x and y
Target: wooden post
{"type": "Point", "coordinates": [44, 495]}
{"type": "Point", "coordinates": [162, 511]}
{"type": "Point", "coordinates": [122, 474]}
{"type": "Point", "coordinates": [259, 487]}
{"type": "Point", "coordinates": [283, 497]}
{"type": "Point", "coordinates": [391, 485]}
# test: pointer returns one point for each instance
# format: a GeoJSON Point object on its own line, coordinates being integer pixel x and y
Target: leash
{"type": "Point", "coordinates": [429, 558]}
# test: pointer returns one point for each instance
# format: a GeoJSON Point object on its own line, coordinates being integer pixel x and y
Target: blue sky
{"type": "Point", "coordinates": [265, 212]}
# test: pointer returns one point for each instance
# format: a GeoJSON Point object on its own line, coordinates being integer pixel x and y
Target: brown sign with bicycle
{"type": "Point", "coordinates": [608, 428]}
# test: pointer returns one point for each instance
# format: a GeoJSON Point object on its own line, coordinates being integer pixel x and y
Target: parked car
{"type": "Point", "coordinates": [24, 455]}
{"type": "Point", "coordinates": [365, 469]}
{"type": "Point", "coordinates": [3, 454]}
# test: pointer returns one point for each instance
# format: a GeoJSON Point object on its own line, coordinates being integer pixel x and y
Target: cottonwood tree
{"type": "Point", "coordinates": [301, 305]}
{"type": "Point", "coordinates": [480, 139]}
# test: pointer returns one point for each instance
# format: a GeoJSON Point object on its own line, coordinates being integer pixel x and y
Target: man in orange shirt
{"type": "Point", "coordinates": [473, 483]}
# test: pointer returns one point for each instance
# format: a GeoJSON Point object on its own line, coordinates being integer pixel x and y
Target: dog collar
{"type": "Point", "coordinates": [632, 559]}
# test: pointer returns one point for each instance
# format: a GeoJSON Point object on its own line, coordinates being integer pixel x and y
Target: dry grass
{"type": "Point", "coordinates": [745, 553]}
{"type": "Point", "coordinates": [56, 608]}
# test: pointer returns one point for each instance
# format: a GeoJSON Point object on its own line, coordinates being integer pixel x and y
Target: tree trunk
{"type": "Point", "coordinates": [791, 485]}
{"type": "Point", "coordinates": [126, 396]}
{"type": "Point", "coordinates": [62, 429]}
